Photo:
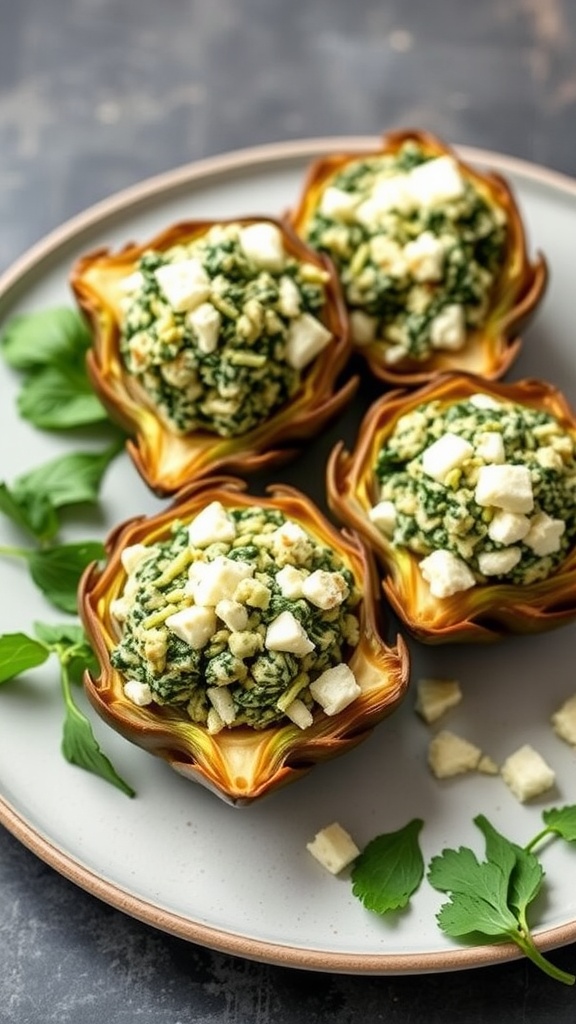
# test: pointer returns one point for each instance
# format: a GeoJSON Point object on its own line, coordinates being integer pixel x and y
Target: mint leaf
{"type": "Point", "coordinates": [72, 641]}
{"type": "Point", "coordinates": [19, 653]}
{"type": "Point", "coordinates": [59, 398]}
{"type": "Point", "coordinates": [46, 338]}
{"type": "Point", "coordinates": [68, 480]}
{"type": "Point", "coordinates": [57, 570]}
{"type": "Point", "coordinates": [32, 512]}
{"type": "Point", "coordinates": [562, 821]}
{"type": "Point", "coordinates": [80, 747]}
{"type": "Point", "coordinates": [389, 869]}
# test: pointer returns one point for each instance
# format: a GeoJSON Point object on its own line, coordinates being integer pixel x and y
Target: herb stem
{"type": "Point", "coordinates": [14, 552]}
{"type": "Point", "coordinates": [538, 839]}
{"type": "Point", "coordinates": [526, 943]}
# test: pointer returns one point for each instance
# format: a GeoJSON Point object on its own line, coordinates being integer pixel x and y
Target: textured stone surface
{"type": "Point", "coordinates": [98, 94]}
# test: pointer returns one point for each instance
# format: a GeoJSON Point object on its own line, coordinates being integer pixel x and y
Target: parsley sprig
{"type": "Point", "coordinates": [488, 900]}
{"type": "Point", "coordinates": [20, 653]}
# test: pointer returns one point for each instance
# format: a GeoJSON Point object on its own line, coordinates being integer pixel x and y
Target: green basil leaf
{"type": "Point", "coordinates": [80, 747]}
{"type": "Point", "coordinates": [69, 479]}
{"type": "Point", "coordinates": [389, 869]}
{"type": "Point", "coordinates": [32, 512]}
{"type": "Point", "coordinates": [18, 653]}
{"type": "Point", "coordinates": [59, 398]}
{"type": "Point", "coordinates": [57, 570]}
{"type": "Point", "coordinates": [46, 338]}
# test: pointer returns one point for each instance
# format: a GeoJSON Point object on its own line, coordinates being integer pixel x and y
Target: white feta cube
{"type": "Point", "coordinates": [285, 633]}
{"type": "Point", "coordinates": [325, 589]}
{"type": "Point", "coordinates": [289, 299]}
{"type": "Point", "coordinates": [185, 284]}
{"type": "Point", "coordinates": [490, 447]}
{"type": "Point", "coordinates": [362, 327]}
{"type": "Point", "coordinates": [138, 693]}
{"type": "Point", "coordinates": [335, 689]}
{"type": "Point", "coordinates": [132, 283]}
{"type": "Point", "coordinates": [132, 556]}
{"type": "Point", "coordinates": [544, 534]}
{"type": "Point", "coordinates": [307, 337]}
{"type": "Point", "coordinates": [434, 697]}
{"type": "Point", "coordinates": [290, 580]}
{"type": "Point", "coordinates": [425, 257]}
{"type": "Point", "coordinates": [262, 243]}
{"type": "Point", "coordinates": [334, 848]}
{"type": "Point", "coordinates": [223, 703]}
{"type": "Point", "coordinates": [389, 256]}
{"type": "Point", "coordinates": [449, 755]}
{"type": "Point", "coordinates": [436, 181]}
{"type": "Point", "coordinates": [448, 328]}
{"type": "Point", "coordinates": [564, 721]}
{"type": "Point", "coordinates": [506, 486]}
{"type": "Point", "coordinates": [508, 527]}
{"type": "Point", "coordinates": [211, 582]}
{"type": "Point", "coordinates": [498, 563]}
{"type": "Point", "coordinates": [337, 204]}
{"type": "Point", "coordinates": [205, 322]}
{"type": "Point", "coordinates": [233, 614]}
{"type": "Point", "coordinates": [383, 515]}
{"type": "Point", "coordinates": [481, 400]}
{"type": "Point", "coordinates": [212, 525]}
{"type": "Point", "coordinates": [388, 194]}
{"type": "Point", "coordinates": [444, 455]}
{"type": "Point", "coordinates": [298, 713]}
{"type": "Point", "coordinates": [527, 774]}
{"type": "Point", "coordinates": [291, 543]}
{"type": "Point", "coordinates": [194, 625]}
{"type": "Point", "coordinates": [446, 574]}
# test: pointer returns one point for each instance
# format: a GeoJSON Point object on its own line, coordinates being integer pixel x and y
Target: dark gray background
{"type": "Point", "coordinates": [98, 94]}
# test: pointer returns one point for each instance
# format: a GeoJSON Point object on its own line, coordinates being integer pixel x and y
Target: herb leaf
{"type": "Point", "coordinates": [69, 479]}
{"type": "Point", "coordinates": [389, 869]}
{"type": "Point", "coordinates": [59, 398]}
{"type": "Point", "coordinates": [18, 653]}
{"type": "Point", "coordinates": [57, 570]}
{"type": "Point", "coordinates": [80, 747]}
{"type": "Point", "coordinates": [47, 338]}
{"type": "Point", "coordinates": [562, 821]}
{"type": "Point", "coordinates": [30, 511]}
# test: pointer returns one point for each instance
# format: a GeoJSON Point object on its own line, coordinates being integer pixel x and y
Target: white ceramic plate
{"type": "Point", "coordinates": [241, 880]}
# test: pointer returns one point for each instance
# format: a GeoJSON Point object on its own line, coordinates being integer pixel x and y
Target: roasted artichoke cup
{"type": "Point", "coordinates": [241, 764]}
{"type": "Point", "coordinates": [490, 348]}
{"type": "Point", "coordinates": [166, 459]}
{"type": "Point", "coordinates": [484, 613]}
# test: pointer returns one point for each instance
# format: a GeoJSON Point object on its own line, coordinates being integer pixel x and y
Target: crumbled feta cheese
{"type": "Point", "coordinates": [498, 563]}
{"type": "Point", "coordinates": [490, 447]}
{"type": "Point", "coordinates": [290, 580]}
{"type": "Point", "coordinates": [549, 458]}
{"type": "Point", "coordinates": [444, 455]}
{"type": "Point", "coordinates": [507, 486]}
{"type": "Point", "coordinates": [338, 204]}
{"type": "Point", "coordinates": [307, 337]}
{"type": "Point", "coordinates": [285, 633]}
{"type": "Point", "coordinates": [133, 555]}
{"type": "Point", "coordinates": [184, 283]}
{"type": "Point", "coordinates": [487, 765]}
{"type": "Point", "coordinates": [333, 848]}
{"type": "Point", "coordinates": [483, 401]}
{"type": "Point", "coordinates": [325, 589]}
{"type": "Point", "coordinates": [434, 697]}
{"type": "Point", "coordinates": [527, 774]}
{"type": "Point", "coordinates": [253, 593]}
{"type": "Point", "coordinates": [388, 194]}
{"type": "Point", "coordinates": [448, 328]}
{"type": "Point", "coordinates": [425, 257]}
{"type": "Point", "coordinates": [544, 534]}
{"type": "Point", "coordinates": [138, 693]}
{"type": "Point", "coordinates": [211, 582]}
{"type": "Point", "coordinates": [564, 721]}
{"type": "Point", "coordinates": [449, 755]}
{"type": "Point", "coordinates": [508, 527]}
{"type": "Point", "coordinates": [132, 283]}
{"type": "Point", "coordinates": [205, 322]}
{"type": "Point", "coordinates": [288, 297]}
{"type": "Point", "coordinates": [388, 255]}
{"type": "Point", "coordinates": [211, 526]}
{"type": "Point", "coordinates": [383, 515]}
{"type": "Point", "coordinates": [394, 354]}
{"type": "Point", "coordinates": [445, 573]}
{"type": "Point", "coordinates": [335, 689]}
{"type": "Point", "coordinates": [222, 702]}
{"type": "Point", "coordinates": [262, 243]}
{"type": "Point", "coordinates": [194, 625]}
{"type": "Point", "coordinates": [233, 614]}
{"type": "Point", "coordinates": [298, 713]}
{"type": "Point", "coordinates": [291, 544]}
{"type": "Point", "coordinates": [362, 327]}
{"type": "Point", "coordinates": [435, 181]}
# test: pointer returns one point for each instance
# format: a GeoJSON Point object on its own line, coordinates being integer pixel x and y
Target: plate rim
{"type": "Point", "coordinates": [12, 282]}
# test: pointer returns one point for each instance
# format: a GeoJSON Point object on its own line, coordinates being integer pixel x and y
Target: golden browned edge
{"type": "Point", "coordinates": [12, 283]}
